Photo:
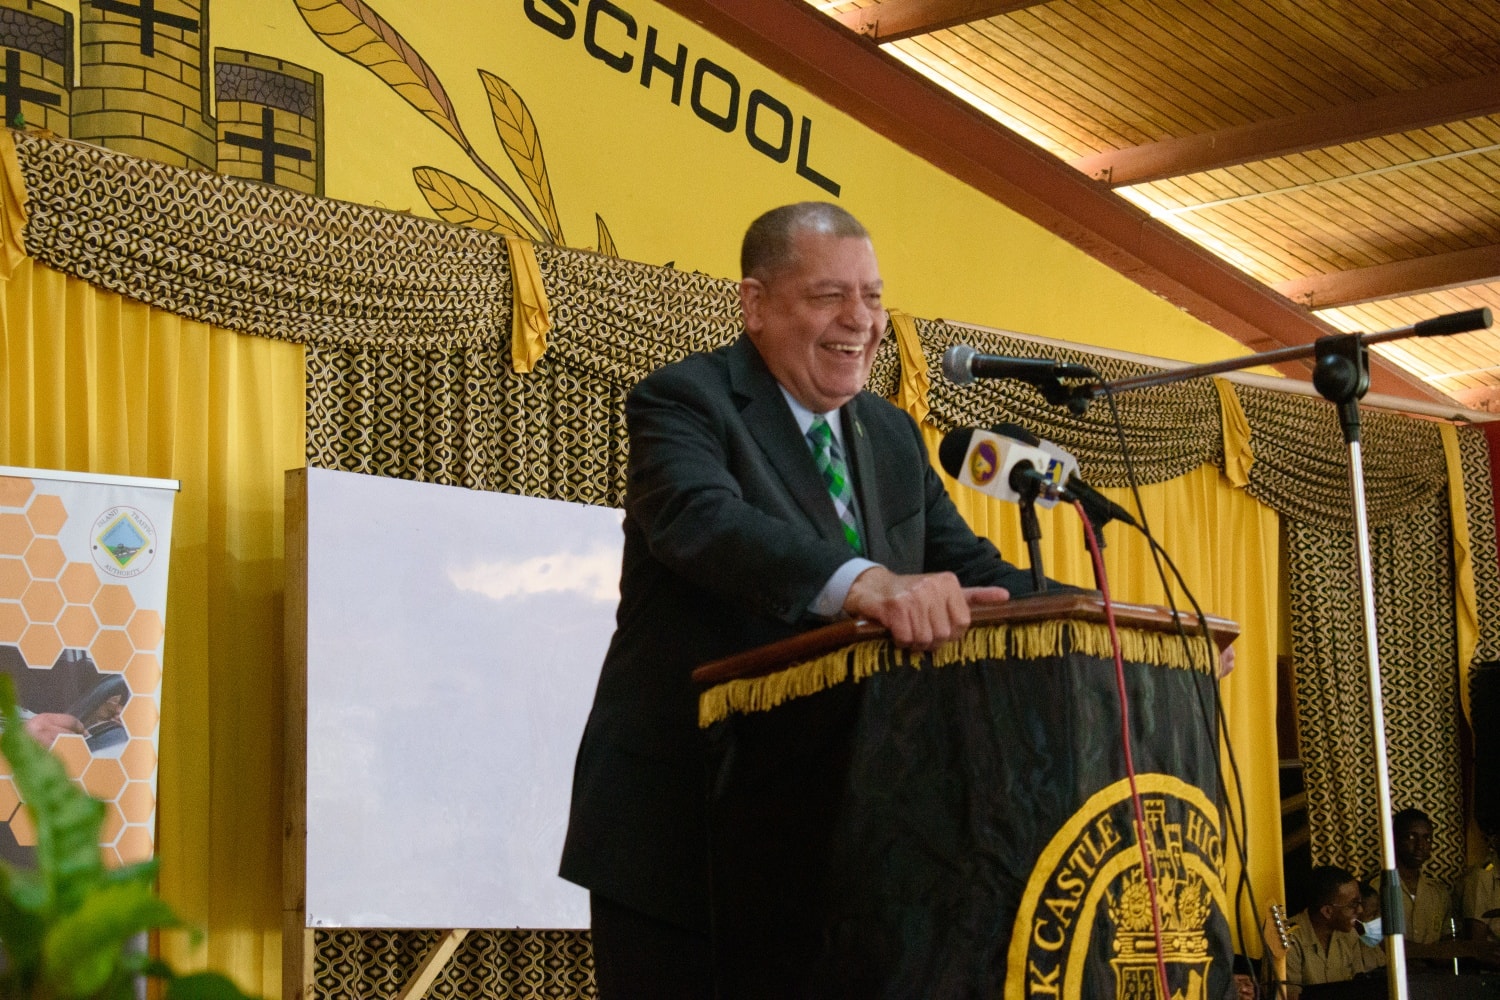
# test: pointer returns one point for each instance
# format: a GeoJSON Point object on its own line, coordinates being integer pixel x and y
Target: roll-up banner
{"type": "Point", "coordinates": [83, 602]}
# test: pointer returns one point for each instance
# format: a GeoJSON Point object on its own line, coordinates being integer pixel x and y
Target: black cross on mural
{"type": "Point", "coordinates": [267, 145]}
{"type": "Point", "coordinates": [15, 91]}
{"type": "Point", "coordinates": [150, 17]}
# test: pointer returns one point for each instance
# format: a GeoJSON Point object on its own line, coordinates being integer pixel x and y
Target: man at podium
{"type": "Point", "coordinates": [767, 493]}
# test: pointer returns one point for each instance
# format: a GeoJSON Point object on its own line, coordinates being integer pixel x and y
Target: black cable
{"type": "Point", "coordinates": [1244, 887]}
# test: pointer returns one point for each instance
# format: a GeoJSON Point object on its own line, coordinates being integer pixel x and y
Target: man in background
{"type": "Point", "coordinates": [767, 493]}
{"type": "Point", "coordinates": [1432, 933]}
{"type": "Point", "coordinates": [1323, 947]}
{"type": "Point", "coordinates": [1479, 895]}
{"type": "Point", "coordinates": [1427, 903]}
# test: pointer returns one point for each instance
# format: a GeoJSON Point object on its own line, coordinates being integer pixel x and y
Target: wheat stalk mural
{"type": "Point", "coordinates": [356, 31]}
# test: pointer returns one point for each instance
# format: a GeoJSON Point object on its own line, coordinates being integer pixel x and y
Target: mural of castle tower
{"type": "Point", "coordinates": [269, 126]}
{"type": "Point", "coordinates": [143, 83]}
{"type": "Point", "coordinates": [144, 89]}
{"type": "Point", "coordinates": [37, 44]}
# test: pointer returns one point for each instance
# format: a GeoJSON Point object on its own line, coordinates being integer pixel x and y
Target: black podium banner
{"type": "Point", "coordinates": [957, 824]}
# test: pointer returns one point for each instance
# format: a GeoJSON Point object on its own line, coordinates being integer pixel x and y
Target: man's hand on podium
{"type": "Point", "coordinates": [922, 610]}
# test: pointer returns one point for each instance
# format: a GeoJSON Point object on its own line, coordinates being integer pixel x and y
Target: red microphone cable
{"type": "Point", "coordinates": [1148, 868]}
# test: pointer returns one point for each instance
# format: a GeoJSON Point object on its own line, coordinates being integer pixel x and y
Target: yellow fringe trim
{"type": "Point", "coordinates": [1027, 641]}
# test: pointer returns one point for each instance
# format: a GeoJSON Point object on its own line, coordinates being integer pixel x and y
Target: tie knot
{"type": "Point", "coordinates": [820, 432]}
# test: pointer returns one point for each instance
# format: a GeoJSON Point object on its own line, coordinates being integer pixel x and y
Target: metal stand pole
{"type": "Point", "coordinates": [1031, 531]}
{"type": "Point", "coordinates": [1342, 376]}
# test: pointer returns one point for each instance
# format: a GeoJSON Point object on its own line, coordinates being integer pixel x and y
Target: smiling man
{"type": "Point", "coordinates": [767, 493]}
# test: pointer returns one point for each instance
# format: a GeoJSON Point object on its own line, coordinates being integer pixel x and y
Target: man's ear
{"type": "Point", "coordinates": [752, 296]}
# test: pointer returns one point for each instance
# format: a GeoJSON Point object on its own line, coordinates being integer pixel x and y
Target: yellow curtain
{"type": "Point", "coordinates": [94, 382]}
{"type": "Point", "coordinates": [1226, 545]}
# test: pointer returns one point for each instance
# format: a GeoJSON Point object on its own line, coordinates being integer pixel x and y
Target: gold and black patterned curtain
{"type": "Point", "coordinates": [407, 329]}
{"type": "Point", "coordinates": [1302, 470]}
{"type": "Point", "coordinates": [1170, 430]}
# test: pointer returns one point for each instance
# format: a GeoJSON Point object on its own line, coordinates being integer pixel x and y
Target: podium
{"type": "Point", "coordinates": [958, 823]}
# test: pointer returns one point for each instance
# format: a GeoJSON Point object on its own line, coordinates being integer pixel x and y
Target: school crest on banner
{"type": "Point", "coordinates": [1084, 927]}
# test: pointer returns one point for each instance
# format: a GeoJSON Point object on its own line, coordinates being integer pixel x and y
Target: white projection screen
{"type": "Point", "coordinates": [453, 640]}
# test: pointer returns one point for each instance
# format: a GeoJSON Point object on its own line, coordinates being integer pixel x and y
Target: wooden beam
{"type": "Point", "coordinates": [792, 39]}
{"type": "Point", "coordinates": [896, 19]}
{"type": "Point", "coordinates": [1486, 399]}
{"type": "Point", "coordinates": [1390, 115]}
{"type": "Point", "coordinates": [1474, 266]}
{"type": "Point", "coordinates": [432, 965]}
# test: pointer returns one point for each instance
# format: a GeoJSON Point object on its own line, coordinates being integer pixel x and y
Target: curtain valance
{"type": "Point", "coordinates": [407, 323]}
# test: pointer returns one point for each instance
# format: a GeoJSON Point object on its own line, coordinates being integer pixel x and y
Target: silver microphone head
{"type": "Point", "coordinates": [956, 364]}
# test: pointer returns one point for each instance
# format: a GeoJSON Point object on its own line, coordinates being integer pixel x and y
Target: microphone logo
{"type": "Point", "coordinates": [984, 463]}
{"type": "Point", "coordinates": [1056, 473]}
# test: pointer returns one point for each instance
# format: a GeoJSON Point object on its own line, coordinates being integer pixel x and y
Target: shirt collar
{"type": "Point", "coordinates": [804, 416]}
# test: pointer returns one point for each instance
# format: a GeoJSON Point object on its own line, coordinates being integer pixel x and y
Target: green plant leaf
{"type": "Point", "coordinates": [142, 873]}
{"type": "Point", "coordinates": [82, 951]}
{"type": "Point", "coordinates": [21, 930]}
{"type": "Point", "coordinates": [204, 986]}
{"type": "Point", "coordinates": [67, 820]}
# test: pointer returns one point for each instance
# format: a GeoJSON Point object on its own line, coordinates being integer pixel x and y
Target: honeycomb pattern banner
{"type": "Point", "coordinates": [83, 589]}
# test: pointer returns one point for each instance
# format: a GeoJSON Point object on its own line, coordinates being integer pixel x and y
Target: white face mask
{"type": "Point", "coordinates": [1372, 934]}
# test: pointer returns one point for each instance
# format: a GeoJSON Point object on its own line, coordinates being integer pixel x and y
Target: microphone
{"type": "Point", "coordinates": [997, 465]}
{"type": "Point", "coordinates": [963, 364]}
{"type": "Point", "coordinates": [1099, 508]}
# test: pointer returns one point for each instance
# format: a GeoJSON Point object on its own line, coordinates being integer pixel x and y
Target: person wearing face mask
{"type": "Point", "coordinates": [767, 493]}
{"type": "Point", "coordinates": [1323, 947]}
{"type": "Point", "coordinates": [1367, 925]}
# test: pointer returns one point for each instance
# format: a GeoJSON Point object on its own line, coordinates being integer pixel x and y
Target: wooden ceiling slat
{"type": "Point", "coordinates": [1353, 66]}
{"type": "Point", "coordinates": [897, 19]}
{"type": "Point", "coordinates": [1134, 57]}
{"type": "Point", "coordinates": [1252, 63]}
{"type": "Point", "coordinates": [1038, 36]}
{"type": "Point", "coordinates": [1127, 74]}
{"type": "Point", "coordinates": [1447, 220]}
{"type": "Point", "coordinates": [1475, 265]}
{"type": "Point", "coordinates": [1030, 104]}
{"type": "Point", "coordinates": [1379, 116]}
{"type": "Point", "coordinates": [1302, 47]}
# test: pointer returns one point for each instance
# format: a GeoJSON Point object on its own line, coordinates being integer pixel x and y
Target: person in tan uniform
{"type": "Point", "coordinates": [1428, 903]}
{"type": "Point", "coordinates": [1479, 896]}
{"type": "Point", "coordinates": [1323, 947]}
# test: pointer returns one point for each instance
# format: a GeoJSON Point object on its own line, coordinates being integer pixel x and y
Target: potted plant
{"type": "Point", "coordinates": [66, 926]}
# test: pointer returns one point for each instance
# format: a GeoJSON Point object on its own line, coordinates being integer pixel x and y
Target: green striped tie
{"type": "Point", "coordinates": [830, 458]}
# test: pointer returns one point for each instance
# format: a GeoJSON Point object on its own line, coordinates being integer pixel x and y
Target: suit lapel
{"type": "Point", "coordinates": [771, 423]}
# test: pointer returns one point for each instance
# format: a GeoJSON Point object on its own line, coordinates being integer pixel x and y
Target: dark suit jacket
{"type": "Point", "coordinates": [730, 534]}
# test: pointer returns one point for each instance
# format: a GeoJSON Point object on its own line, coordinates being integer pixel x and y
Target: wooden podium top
{"type": "Point", "coordinates": [1079, 605]}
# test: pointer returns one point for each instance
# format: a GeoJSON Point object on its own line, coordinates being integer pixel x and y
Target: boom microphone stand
{"type": "Point", "coordinates": [1341, 374]}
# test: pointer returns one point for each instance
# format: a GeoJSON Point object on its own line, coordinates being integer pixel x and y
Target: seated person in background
{"type": "Point", "coordinates": [1323, 947]}
{"type": "Point", "coordinates": [1479, 896]}
{"type": "Point", "coordinates": [1367, 926]}
{"type": "Point", "coordinates": [1428, 903]}
{"type": "Point", "coordinates": [1243, 980]}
